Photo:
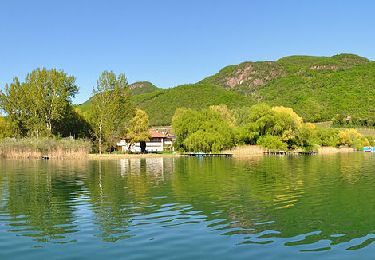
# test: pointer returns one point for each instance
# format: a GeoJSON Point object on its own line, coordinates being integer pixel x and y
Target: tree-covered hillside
{"type": "Point", "coordinates": [317, 88]}
{"type": "Point", "coordinates": [161, 105]}
{"type": "Point", "coordinates": [321, 96]}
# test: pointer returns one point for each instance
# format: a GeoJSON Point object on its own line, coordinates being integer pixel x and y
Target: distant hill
{"type": "Point", "coordinates": [318, 88]}
{"type": "Point", "coordinates": [142, 87]}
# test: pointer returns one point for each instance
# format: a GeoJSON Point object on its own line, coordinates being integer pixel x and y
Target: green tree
{"type": "Point", "coordinates": [204, 130]}
{"type": "Point", "coordinates": [352, 138]}
{"type": "Point", "coordinates": [185, 122]}
{"type": "Point", "coordinates": [327, 137]}
{"type": "Point", "coordinates": [6, 128]}
{"type": "Point", "coordinates": [74, 124]}
{"type": "Point", "coordinates": [138, 129]}
{"type": "Point", "coordinates": [225, 113]}
{"type": "Point", "coordinates": [306, 137]}
{"type": "Point", "coordinates": [37, 105]}
{"type": "Point", "coordinates": [272, 142]}
{"type": "Point", "coordinates": [111, 108]}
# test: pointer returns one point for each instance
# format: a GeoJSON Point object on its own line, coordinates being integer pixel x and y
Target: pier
{"type": "Point", "coordinates": [288, 153]}
{"type": "Point", "coordinates": [209, 154]}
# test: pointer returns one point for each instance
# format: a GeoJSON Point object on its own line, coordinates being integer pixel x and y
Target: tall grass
{"type": "Point", "coordinates": [31, 148]}
{"type": "Point", "coordinates": [246, 150]}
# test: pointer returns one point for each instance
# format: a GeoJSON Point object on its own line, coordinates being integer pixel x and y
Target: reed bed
{"type": "Point", "coordinates": [35, 148]}
{"type": "Point", "coordinates": [333, 150]}
{"type": "Point", "coordinates": [246, 150]}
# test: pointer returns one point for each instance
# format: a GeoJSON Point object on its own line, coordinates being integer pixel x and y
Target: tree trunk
{"type": "Point", "coordinates": [100, 139]}
{"type": "Point", "coordinates": [100, 145]}
{"type": "Point", "coordinates": [143, 146]}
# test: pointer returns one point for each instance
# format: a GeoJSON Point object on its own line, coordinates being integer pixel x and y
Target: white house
{"type": "Point", "coordinates": [159, 142]}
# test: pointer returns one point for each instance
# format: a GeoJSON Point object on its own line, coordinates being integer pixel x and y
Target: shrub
{"type": "Point", "coordinates": [272, 143]}
{"type": "Point", "coordinates": [352, 138]}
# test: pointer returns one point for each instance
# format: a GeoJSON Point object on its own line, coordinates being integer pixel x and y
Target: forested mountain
{"type": "Point", "coordinates": [317, 88]}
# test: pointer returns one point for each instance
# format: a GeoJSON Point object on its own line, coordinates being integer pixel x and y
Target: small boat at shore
{"type": "Point", "coordinates": [369, 149]}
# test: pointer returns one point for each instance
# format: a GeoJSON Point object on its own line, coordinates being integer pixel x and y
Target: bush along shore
{"type": "Point", "coordinates": [275, 129]}
{"type": "Point", "coordinates": [36, 148]}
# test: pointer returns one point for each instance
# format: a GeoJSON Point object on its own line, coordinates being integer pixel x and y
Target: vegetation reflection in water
{"type": "Point", "coordinates": [294, 203]}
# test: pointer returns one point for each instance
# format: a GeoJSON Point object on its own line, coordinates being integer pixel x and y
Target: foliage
{"type": "Point", "coordinates": [306, 137]}
{"type": "Point", "coordinates": [75, 124]}
{"type": "Point", "coordinates": [6, 128]}
{"type": "Point", "coordinates": [274, 128]}
{"type": "Point", "coordinates": [352, 138]}
{"type": "Point", "coordinates": [40, 103]}
{"type": "Point", "coordinates": [317, 88]}
{"type": "Point", "coordinates": [342, 120]}
{"type": "Point", "coordinates": [261, 120]}
{"type": "Point", "coordinates": [272, 142]}
{"type": "Point", "coordinates": [161, 105]}
{"type": "Point", "coordinates": [327, 137]}
{"type": "Point", "coordinates": [204, 130]}
{"type": "Point", "coordinates": [225, 113]}
{"type": "Point", "coordinates": [111, 108]}
{"type": "Point", "coordinates": [138, 128]}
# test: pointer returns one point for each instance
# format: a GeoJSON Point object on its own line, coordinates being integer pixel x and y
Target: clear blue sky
{"type": "Point", "coordinates": [173, 42]}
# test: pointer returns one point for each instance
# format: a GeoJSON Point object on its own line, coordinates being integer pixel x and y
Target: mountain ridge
{"type": "Point", "coordinates": [317, 88]}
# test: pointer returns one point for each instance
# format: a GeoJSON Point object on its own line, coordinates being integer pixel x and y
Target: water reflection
{"type": "Point", "coordinates": [305, 203]}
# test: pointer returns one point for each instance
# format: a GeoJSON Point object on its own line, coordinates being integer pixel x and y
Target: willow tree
{"type": "Point", "coordinates": [38, 104]}
{"type": "Point", "coordinates": [111, 108]}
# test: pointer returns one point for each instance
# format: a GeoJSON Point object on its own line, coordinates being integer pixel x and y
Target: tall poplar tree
{"type": "Point", "coordinates": [111, 108]}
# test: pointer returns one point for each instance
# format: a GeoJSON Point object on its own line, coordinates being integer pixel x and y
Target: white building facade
{"type": "Point", "coordinates": [159, 142]}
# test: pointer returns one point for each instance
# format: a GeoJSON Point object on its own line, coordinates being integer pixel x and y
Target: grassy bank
{"type": "Point", "coordinates": [35, 148]}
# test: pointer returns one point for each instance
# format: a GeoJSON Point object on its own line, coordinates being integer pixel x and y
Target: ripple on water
{"type": "Point", "coordinates": [187, 208]}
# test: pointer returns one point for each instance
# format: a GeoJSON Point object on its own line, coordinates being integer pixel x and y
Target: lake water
{"type": "Point", "coordinates": [189, 208]}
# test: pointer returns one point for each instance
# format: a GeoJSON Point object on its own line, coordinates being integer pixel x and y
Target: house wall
{"type": "Point", "coordinates": [152, 146]}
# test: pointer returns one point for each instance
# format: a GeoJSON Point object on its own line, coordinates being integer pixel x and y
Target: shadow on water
{"type": "Point", "coordinates": [302, 203]}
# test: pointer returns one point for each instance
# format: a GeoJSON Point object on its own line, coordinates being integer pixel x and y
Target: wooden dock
{"type": "Point", "coordinates": [209, 154]}
{"type": "Point", "coordinates": [289, 153]}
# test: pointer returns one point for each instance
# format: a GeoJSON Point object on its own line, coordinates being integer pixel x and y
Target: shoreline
{"type": "Point", "coordinates": [129, 156]}
{"type": "Point", "coordinates": [242, 152]}
{"type": "Point", "coordinates": [247, 151]}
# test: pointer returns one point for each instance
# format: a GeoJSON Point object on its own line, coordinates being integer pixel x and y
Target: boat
{"type": "Point", "coordinates": [369, 149]}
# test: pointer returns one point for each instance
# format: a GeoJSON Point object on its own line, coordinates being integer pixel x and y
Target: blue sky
{"type": "Point", "coordinates": [173, 42]}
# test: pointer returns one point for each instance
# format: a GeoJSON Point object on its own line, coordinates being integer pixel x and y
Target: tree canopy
{"type": "Point", "coordinates": [138, 128]}
{"type": "Point", "coordinates": [275, 128]}
{"type": "Point", "coordinates": [37, 105]}
{"type": "Point", "coordinates": [111, 108]}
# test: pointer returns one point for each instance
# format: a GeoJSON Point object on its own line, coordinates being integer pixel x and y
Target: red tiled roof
{"type": "Point", "coordinates": [156, 134]}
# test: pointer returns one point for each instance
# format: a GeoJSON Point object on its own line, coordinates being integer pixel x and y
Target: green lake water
{"type": "Point", "coordinates": [304, 207]}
